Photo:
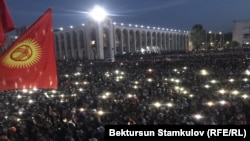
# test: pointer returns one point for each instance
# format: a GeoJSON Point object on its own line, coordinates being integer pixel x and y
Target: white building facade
{"type": "Point", "coordinates": [100, 40]}
{"type": "Point", "coordinates": [241, 32]}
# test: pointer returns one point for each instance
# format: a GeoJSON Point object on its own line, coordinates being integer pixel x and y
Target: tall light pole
{"type": "Point", "coordinates": [210, 38]}
{"type": "Point", "coordinates": [96, 45]}
{"type": "Point", "coordinates": [209, 32]}
{"type": "Point", "coordinates": [221, 38]}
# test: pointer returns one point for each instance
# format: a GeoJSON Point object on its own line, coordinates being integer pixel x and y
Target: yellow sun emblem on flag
{"type": "Point", "coordinates": [23, 55]}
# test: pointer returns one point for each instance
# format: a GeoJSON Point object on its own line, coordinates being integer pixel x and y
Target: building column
{"type": "Point", "coordinates": [112, 43]}
{"type": "Point", "coordinates": [99, 42]}
{"type": "Point", "coordinates": [121, 44]}
{"type": "Point", "coordinates": [128, 44]}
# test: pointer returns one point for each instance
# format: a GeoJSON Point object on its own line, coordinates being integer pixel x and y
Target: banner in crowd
{"type": "Point", "coordinates": [6, 22]}
{"type": "Point", "coordinates": [30, 61]}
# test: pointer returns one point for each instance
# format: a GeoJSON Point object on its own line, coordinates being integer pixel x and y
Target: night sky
{"type": "Point", "coordinates": [214, 15]}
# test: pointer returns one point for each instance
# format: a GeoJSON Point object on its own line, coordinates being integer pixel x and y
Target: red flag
{"type": "Point", "coordinates": [6, 22]}
{"type": "Point", "coordinates": [30, 61]}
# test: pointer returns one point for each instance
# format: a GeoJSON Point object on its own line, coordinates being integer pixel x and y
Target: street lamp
{"type": "Point", "coordinates": [98, 14]}
{"type": "Point", "coordinates": [93, 44]}
{"type": "Point", "coordinates": [209, 32]}
{"type": "Point", "coordinates": [221, 39]}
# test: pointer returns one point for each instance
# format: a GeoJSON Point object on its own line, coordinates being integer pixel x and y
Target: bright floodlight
{"type": "Point", "coordinates": [98, 13]}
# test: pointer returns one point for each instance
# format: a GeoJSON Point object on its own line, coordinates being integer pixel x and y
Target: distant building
{"type": "Point", "coordinates": [241, 32]}
{"type": "Point", "coordinates": [103, 40]}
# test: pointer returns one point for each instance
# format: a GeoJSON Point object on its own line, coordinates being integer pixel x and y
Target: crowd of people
{"type": "Point", "coordinates": [153, 89]}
